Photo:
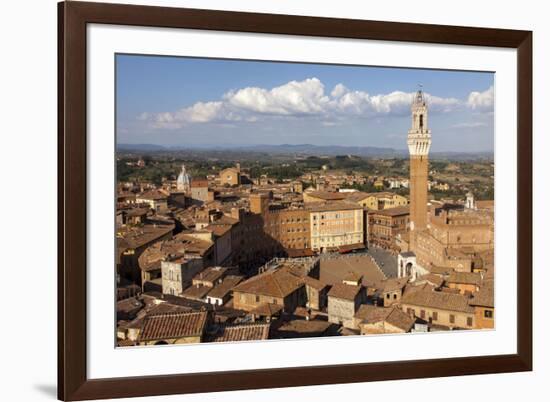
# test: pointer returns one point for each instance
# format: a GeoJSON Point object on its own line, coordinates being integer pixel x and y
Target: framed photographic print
{"type": "Point", "coordinates": [254, 200]}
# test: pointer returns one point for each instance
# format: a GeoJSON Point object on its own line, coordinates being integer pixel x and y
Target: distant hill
{"type": "Point", "coordinates": [304, 149]}
{"type": "Point", "coordinates": [140, 147]}
{"type": "Point", "coordinates": [309, 149]}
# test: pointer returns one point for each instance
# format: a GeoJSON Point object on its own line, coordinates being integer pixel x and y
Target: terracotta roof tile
{"type": "Point", "coordinates": [210, 274]}
{"type": "Point", "coordinates": [241, 332]}
{"type": "Point", "coordinates": [400, 319]}
{"type": "Point", "coordinates": [371, 314]}
{"type": "Point", "coordinates": [173, 325]}
{"type": "Point", "coordinates": [439, 300]}
{"type": "Point", "coordinates": [275, 283]}
{"type": "Point", "coordinates": [485, 296]}
{"type": "Point", "coordinates": [314, 283]}
{"type": "Point", "coordinates": [196, 292]}
{"type": "Point", "coordinates": [468, 278]}
{"type": "Point", "coordinates": [343, 291]}
{"type": "Point", "coordinates": [221, 290]}
{"type": "Point", "coordinates": [327, 195]}
{"type": "Point", "coordinates": [134, 237]}
{"type": "Point", "coordinates": [402, 210]}
{"type": "Point", "coordinates": [393, 284]}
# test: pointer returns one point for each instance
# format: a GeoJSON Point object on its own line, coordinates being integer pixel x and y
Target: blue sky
{"type": "Point", "coordinates": [200, 102]}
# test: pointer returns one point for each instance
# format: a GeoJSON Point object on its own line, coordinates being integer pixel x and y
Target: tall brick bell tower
{"type": "Point", "coordinates": [419, 141]}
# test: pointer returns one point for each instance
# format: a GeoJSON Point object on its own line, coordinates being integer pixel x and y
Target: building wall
{"type": "Point", "coordinates": [443, 316]}
{"type": "Point", "coordinates": [230, 177]}
{"type": "Point", "coordinates": [463, 287]}
{"type": "Point", "coordinates": [250, 301]}
{"type": "Point", "coordinates": [383, 201]}
{"type": "Point", "coordinates": [156, 205]}
{"type": "Point", "coordinates": [176, 277]}
{"type": "Point", "coordinates": [379, 328]}
{"type": "Point", "coordinates": [219, 301]}
{"type": "Point", "coordinates": [391, 298]}
{"type": "Point", "coordinates": [223, 247]}
{"type": "Point", "coordinates": [176, 341]}
{"type": "Point", "coordinates": [148, 276]}
{"type": "Point", "coordinates": [453, 231]}
{"type": "Point", "coordinates": [316, 299]}
{"type": "Point", "coordinates": [259, 203]}
{"type": "Point", "coordinates": [482, 322]}
{"type": "Point", "coordinates": [473, 230]}
{"type": "Point", "coordinates": [199, 193]}
{"type": "Point", "coordinates": [341, 311]}
{"type": "Point", "coordinates": [383, 229]}
{"type": "Point", "coordinates": [430, 250]}
{"type": "Point", "coordinates": [334, 228]}
{"type": "Point", "coordinates": [289, 227]}
{"type": "Point", "coordinates": [251, 245]}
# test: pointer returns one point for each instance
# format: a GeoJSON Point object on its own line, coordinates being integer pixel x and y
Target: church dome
{"type": "Point", "coordinates": [184, 180]}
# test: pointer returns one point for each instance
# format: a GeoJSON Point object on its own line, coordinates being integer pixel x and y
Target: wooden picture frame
{"type": "Point", "coordinates": [73, 17]}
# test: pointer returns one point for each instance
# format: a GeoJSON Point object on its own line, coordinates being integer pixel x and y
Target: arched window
{"type": "Point", "coordinates": [421, 121]}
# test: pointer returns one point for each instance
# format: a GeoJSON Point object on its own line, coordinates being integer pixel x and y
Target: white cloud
{"type": "Point", "coordinates": [481, 100]}
{"type": "Point", "coordinates": [293, 98]}
{"type": "Point", "coordinates": [200, 112]}
{"type": "Point", "coordinates": [339, 90]}
{"type": "Point", "coordinates": [305, 98]}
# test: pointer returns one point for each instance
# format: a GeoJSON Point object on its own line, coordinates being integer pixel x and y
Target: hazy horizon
{"type": "Point", "coordinates": [236, 146]}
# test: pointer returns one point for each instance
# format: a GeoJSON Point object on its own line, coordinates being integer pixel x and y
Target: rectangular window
{"type": "Point", "coordinates": [434, 316]}
{"type": "Point", "coordinates": [469, 321]}
{"type": "Point", "coordinates": [422, 314]}
{"type": "Point", "coordinates": [451, 318]}
{"type": "Point", "coordinates": [257, 299]}
{"type": "Point", "coordinates": [488, 313]}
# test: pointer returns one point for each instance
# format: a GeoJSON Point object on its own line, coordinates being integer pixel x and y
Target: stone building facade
{"type": "Point", "coordinates": [230, 176]}
{"type": "Point", "coordinates": [454, 238]}
{"type": "Point", "coordinates": [289, 227]}
{"type": "Point", "coordinates": [335, 224]}
{"type": "Point", "coordinates": [199, 190]}
{"type": "Point", "coordinates": [177, 275]}
{"type": "Point", "coordinates": [343, 302]}
{"type": "Point", "coordinates": [385, 225]}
